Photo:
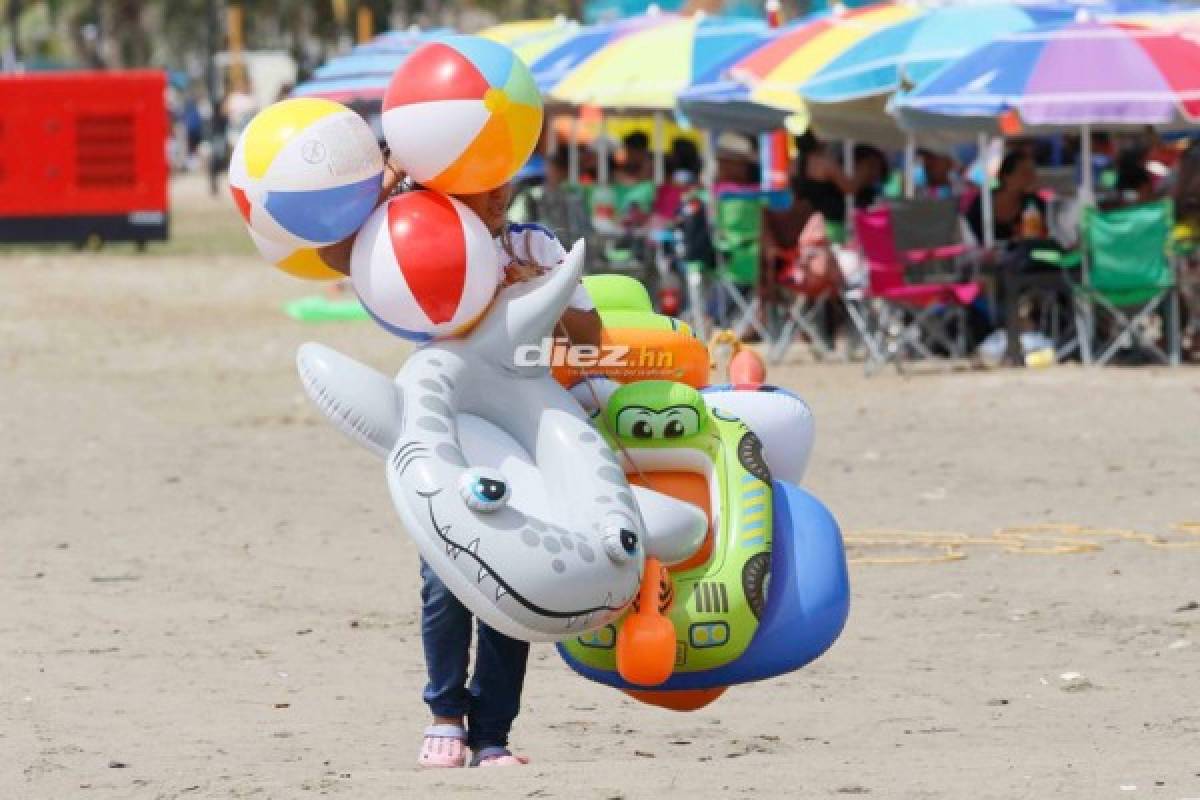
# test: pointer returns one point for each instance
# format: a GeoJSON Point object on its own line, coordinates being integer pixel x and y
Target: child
{"type": "Point", "coordinates": [479, 716]}
{"type": "Point", "coordinates": [492, 701]}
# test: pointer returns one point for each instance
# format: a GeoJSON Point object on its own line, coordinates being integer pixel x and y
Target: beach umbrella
{"type": "Point", "coordinates": [647, 69]}
{"type": "Point", "coordinates": [759, 91]}
{"type": "Point", "coordinates": [1100, 73]}
{"type": "Point", "coordinates": [1079, 74]}
{"type": "Point", "coordinates": [532, 39]}
{"type": "Point", "coordinates": [908, 52]}
{"type": "Point", "coordinates": [362, 75]}
{"type": "Point", "coordinates": [776, 70]}
{"type": "Point", "coordinates": [551, 67]}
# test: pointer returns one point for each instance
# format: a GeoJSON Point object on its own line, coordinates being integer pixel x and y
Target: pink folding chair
{"type": "Point", "coordinates": [910, 317]}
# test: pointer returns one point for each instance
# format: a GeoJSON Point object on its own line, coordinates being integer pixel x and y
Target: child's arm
{"type": "Point", "coordinates": [582, 327]}
{"type": "Point", "coordinates": [337, 255]}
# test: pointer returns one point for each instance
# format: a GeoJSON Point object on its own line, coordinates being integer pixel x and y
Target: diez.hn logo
{"type": "Point", "coordinates": [561, 353]}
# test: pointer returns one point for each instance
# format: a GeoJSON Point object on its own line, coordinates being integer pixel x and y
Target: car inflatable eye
{"type": "Point", "coordinates": [636, 423]}
{"type": "Point", "coordinates": [483, 489]}
{"type": "Point", "coordinates": [621, 544]}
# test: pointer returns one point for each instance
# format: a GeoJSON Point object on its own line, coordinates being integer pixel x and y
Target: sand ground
{"type": "Point", "coordinates": [204, 591]}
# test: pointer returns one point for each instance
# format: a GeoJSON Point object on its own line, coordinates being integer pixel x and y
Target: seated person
{"type": "Point", "coordinates": [1010, 200]}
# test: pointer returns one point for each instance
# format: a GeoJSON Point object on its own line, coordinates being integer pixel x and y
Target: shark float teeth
{"type": "Point", "coordinates": [500, 592]}
{"type": "Point", "coordinates": [483, 573]}
{"type": "Point", "coordinates": [474, 546]}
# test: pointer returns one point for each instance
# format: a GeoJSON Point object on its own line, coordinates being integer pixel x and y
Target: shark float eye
{"type": "Point", "coordinates": [483, 489]}
{"type": "Point", "coordinates": [621, 544]}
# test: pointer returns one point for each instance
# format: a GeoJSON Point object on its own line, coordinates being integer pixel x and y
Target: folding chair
{"type": "Point", "coordinates": [738, 235]}
{"type": "Point", "coordinates": [1130, 275]}
{"type": "Point", "coordinates": [916, 317]}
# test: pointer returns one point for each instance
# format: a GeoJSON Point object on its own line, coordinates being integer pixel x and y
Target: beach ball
{"type": "Point", "coordinates": [302, 262]}
{"type": "Point", "coordinates": [424, 266]}
{"type": "Point", "coordinates": [462, 115]}
{"type": "Point", "coordinates": [306, 173]}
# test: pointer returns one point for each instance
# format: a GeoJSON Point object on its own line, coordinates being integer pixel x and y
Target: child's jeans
{"type": "Point", "coordinates": [494, 697]}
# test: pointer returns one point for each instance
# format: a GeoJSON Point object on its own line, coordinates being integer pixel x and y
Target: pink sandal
{"type": "Point", "coordinates": [444, 746]}
{"type": "Point", "coordinates": [497, 757]}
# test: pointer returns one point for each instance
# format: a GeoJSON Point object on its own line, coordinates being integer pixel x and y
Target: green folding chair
{"type": "Point", "coordinates": [1130, 275]}
{"type": "Point", "coordinates": [738, 242]}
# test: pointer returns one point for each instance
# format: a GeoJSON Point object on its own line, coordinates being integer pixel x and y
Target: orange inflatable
{"type": "Point", "coordinates": [636, 354]}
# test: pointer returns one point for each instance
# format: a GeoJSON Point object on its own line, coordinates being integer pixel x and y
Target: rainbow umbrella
{"type": "Point", "coordinates": [758, 92]}
{"type": "Point", "coordinates": [557, 62]}
{"type": "Point", "coordinates": [911, 51]}
{"type": "Point", "coordinates": [646, 69]}
{"type": "Point", "coordinates": [1080, 73]}
{"type": "Point", "coordinates": [776, 70]}
{"type": "Point", "coordinates": [532, 39]}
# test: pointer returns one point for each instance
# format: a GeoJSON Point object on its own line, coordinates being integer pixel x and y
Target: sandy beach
{"type": "Point", "coordinates": [204, 591]}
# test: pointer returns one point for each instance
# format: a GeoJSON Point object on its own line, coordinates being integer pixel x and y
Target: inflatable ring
{"type": "Point", "coordinates": [670, 433]}
{"type": "Point", "coordinates": [791, 592]}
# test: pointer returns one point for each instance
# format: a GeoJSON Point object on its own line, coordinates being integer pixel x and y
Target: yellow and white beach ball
{"type": "Point", "coordinates": [306, 173]}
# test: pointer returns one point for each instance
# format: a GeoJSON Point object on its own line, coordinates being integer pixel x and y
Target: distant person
{"type": "Point", "coordinates": [870, 174]}
{"type": "Point", "coordinates": [1135, 183]}
{"type": "Point", "coordinates": [637, 163]}
{"type": "Point", "coordinates": [238, 108]}
{"type": "Point", "coordinates": [737, 164]}
{"type": "Point", "coordinates": [1014, 201]}
{"type": "Point", "coordinates": [818, 180]}
{"type": "Point", "coordinates": [941, 178]}
{"type": "Point", "coordinates": [1187, 191]}
{"type": "Point", "coordinates": [683, 174]}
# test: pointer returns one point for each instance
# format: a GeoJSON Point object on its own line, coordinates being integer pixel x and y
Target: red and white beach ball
{"type": "Point", "coordinates": [424, 266]}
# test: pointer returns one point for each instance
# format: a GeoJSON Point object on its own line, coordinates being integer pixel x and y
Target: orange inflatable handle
{"type": "Point", "coordinates": [633, 354]}
{"type": "Point", "coordinates": [646, 639]}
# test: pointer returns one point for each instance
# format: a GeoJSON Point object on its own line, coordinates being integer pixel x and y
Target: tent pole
{"type": "Point", "coordinates": [573, 154]}
{"type": "Point", "coordinates": [985, 197]}
{"type": "Point", "coordinates": [551, 135]}
{"type": "Point", "coordinates": [602, 176]}
{"type": "Point", "coordinates": [1087, 193]}
{"type": "Point", "coordinates": [709, 178]}
{"type": "Point", "coordinates": [910, 166]}
{"type": "Point", "coordinates": [660, 146]}
{"type": "Point", "coordinates": [848, 168]}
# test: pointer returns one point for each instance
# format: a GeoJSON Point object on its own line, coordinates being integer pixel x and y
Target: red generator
{"type": "Point", "coordinates": [83, 157]}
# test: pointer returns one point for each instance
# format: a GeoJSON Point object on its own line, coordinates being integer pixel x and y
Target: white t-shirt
{"type": "Point", "coordinates": [537, 245]}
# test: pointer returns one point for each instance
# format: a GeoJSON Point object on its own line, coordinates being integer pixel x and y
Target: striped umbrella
{"type": "Point", "coordinates": [758, 92]}
{"type": "Point", "coordinates": [532, 39]}
{"type": "Point", "coordinates": [647, 69]}
{"type": "Point", "coordinates": [556, 63]}
{"type": "Point", "coordinates": [911, 51]}
{"type": "Point", "coordinates": [776, 70]}
{"type": "Point", "coordinates": [1084, 72]}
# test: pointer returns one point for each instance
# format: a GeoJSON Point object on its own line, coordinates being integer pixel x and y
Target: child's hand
{"type": "Point", "coordinates": [518, 273]}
